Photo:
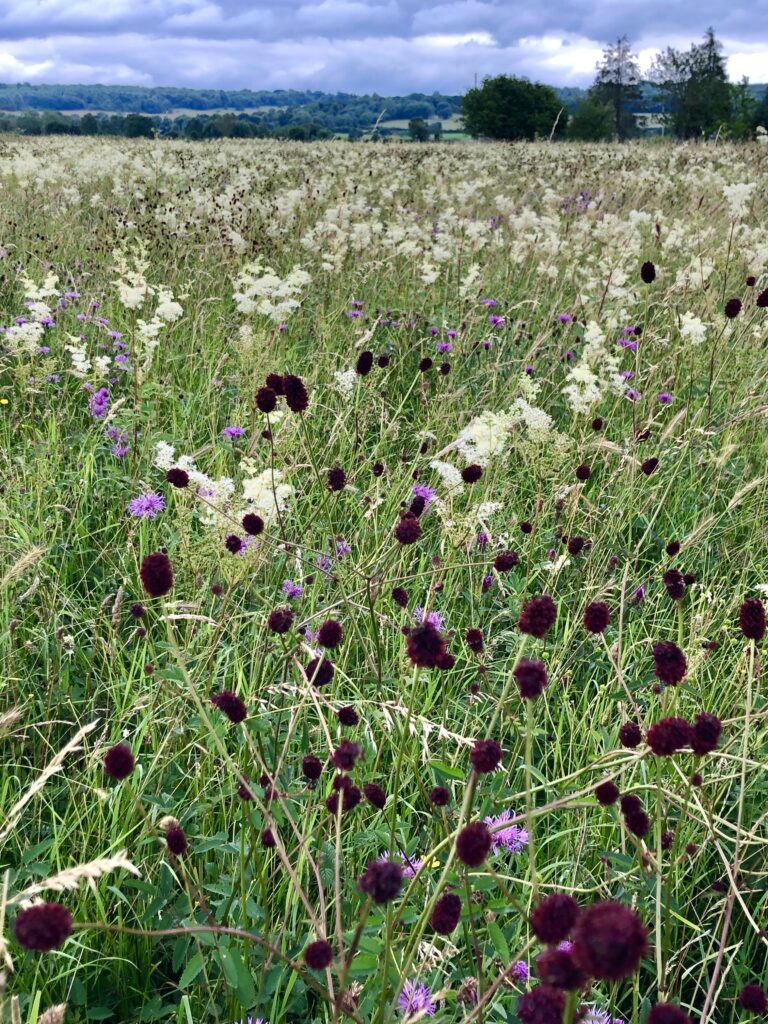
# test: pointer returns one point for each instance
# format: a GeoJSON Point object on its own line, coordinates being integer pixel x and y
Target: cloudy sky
{"type": "Point", "coordinates": [390, 46]}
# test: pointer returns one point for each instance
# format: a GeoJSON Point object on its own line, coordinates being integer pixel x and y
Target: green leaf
{"type": "Point", "coordinates": [191, 971]}
{"type": "Point", "coordinates": [499, 942]}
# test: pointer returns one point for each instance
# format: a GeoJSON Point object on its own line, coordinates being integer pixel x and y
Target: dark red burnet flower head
{"type": "Point", "coordinates": [231, 705]}
{"type": "Point", "coordinates": [311, 767]}
{"type": "Point", "coordinates": [381, 880]}
{"type": "Point", "coordinates": [268, 840]}
{"type": "Point", "coordinates": [630, 735]}
{"type": "Point", "coordinates": [400, 597]}
{"type": "Point", "coordinates": [606, 793]}
{"type": "Point", "coordinates": [233, 544]}
{"type": "Point", "coordinates": [574, 545]}
{"type": "Point", "coordinates": [408, 529]}
{"type": "Point", "coordinates": [597, 423]}
{"type": "Point", "coordinates": [630, 803]}
{"type": "Point", "coordinates": [638, 823]}
{"type": "Point", "coordinates": [674, 583]}
{"type": "Point", "coordinates": [537, 616]}
{"type": "Point", "coordinates": [375, 795]}
{"type": "Point", "coordinates": [732, 308]}
{"type": "Point", "coordinates": [43, 927]}
{"type": "Point", "coordinates": [156, 574]}
{"type": "Point", "coordinates": [337, 479]}
{"type": "Point", "coordinates": [673, 548]}
{"type": "Point", "coordinates": [649, 465]}
{"type": "Point", "coordinates": [531, 677]}
{"type": "Point", "coordinates": [670, 665]}
{"type": "Point", "coordinates": [439, 796]}
{"type": "Point", "coordinates": [705, 733]}
{"type": "Point", "coordinates": [471, 474]}
{"type": "Point", "coordinates": [554, 917]}
{"type": "Point", "coordinates": [252, 524]}
{"type": "Point", "coordinates": [426, 646]}
{"type": "Point", "coordinates": [753, 999]}
{"type": "Point", "coordinates": [667, 1013]}
{"type": "Point", "coordinates": [296, 397]}
{"type": "Point", "coordinates": [318, 955]}
{"type": "Point", "coordinates": [474, 640]}
{"type": "Point", "coordinates": [609, 941]}
{"type": "Point", "coordinates": [752, 619]}
{"type": "Point", "coordinates": [345, 755]}
{"type": "Point", "coordinates": [364, 364]}
{"type": "Point", "coordinates": [176, 840]}
{"type": "Point", "coordinates": [473, 844]}
{"type": "Point", "coordinates": [266, 399]}
{"type": "Point", "coordinates": [446, 913]}
{"type": "Point", "coordinates": [319, 671]}
{"type": "Point", "coordinates": [177, 477]}
{"type": "Point", "coordinates": [426, 364]}
{"type": "Point", "coordinates": [347, 716]}
{"type": "Point", "coordinates": [648, 272]}
{"type": "Point", "coordinates": [417, 506]}
{"type": "Point", "coordinates": [350, 796]}
{"type": "Point", "coordinates": [597, 616]}
{"type": "Point", "coordinates": [506, 560]}
{"type": "Point", "coordinates": [485, 756]}
{"type": "Point", "coordinates": [542, 1005]}
{"type": "Point", "coordinates": [668, 736]}
{"type": "Point", "coordinates": [557, 967]}
{"type": "Point", "coordinates": [762, 299]}
{"type": "Point", "coordinates": [330, 633]}
{"type": "Point", "coordinates": [119, 762]}
{"type": "Point", "coordinates": [583, 472]}
{"type": "Point", "coordinates": [280, 620]}
{"type": "Point", "coordinates": [275, 381]}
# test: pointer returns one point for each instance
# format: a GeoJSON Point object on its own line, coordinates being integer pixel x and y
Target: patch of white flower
{"type": "Point", "coordinates": [259, 289]}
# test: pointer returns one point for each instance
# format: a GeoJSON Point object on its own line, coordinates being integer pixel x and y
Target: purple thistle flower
{"type": "Point", "coordinates": [292, 589]}
{"type": "Point", "coordinates": [415, 998]}
{"type": "Point", "coordinates": [119, 450]}
{"type": "Point", "coordinates": [232, 432]}
{"type": "Point", "coordinates": [433, 332]}
{"type": "Point", "coordinates": [323, 563]}
{"type": "Point", "coordinates": [282, 327]}
{"type": "Point", "coordinates": [431, 618]}
{"type": "Point", "coordinates": [627, 374]}
{"type": "Point", "coordinates": [99, 403]}
{"type": "Point", "coordinates": [639, 595]}
{"type": "Point", "coordinates": [520, 971]}
{"type": "Point", "coordinates": [146, 506]}
{"type": "Point", "coordinates": [482, 539]}
{"type": "Point", "coordinates": [424, 491]}
{"type": "Point", "coordinates": [629, 343]}
{"type": "Point", "coordinates": [511, 838]}
{"type": "Point", "coordinates": [410, 864]}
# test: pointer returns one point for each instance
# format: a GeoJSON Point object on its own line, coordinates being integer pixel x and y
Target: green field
{"type": "Point", "coordinates": [248, 389]}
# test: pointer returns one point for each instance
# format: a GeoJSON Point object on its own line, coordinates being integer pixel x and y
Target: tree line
{"type": "Point", "coordinates": [687, 93]}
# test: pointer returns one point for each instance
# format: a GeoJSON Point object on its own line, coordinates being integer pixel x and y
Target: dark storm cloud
{"type": "Point", "coordinates": [359, 45]}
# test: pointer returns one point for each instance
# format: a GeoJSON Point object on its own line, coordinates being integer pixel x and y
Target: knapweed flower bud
{"type": "Point", "coordinates": [667, 1013]}
{"type": "Point", "coordinates": [375, 795]}
{"type": "Point", "coordinates": [319, 671]}
{"type": "Point", "coordinates": [606, 793]}
{"type": "Point", "coordinates": [337, 479]}
{"type": "Point", "coordinates": [668, 736]}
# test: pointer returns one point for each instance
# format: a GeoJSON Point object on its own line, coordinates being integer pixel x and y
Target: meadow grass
{"type": "Point", "coordinates": [188, 255]}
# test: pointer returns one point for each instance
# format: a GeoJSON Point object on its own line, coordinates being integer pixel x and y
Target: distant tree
{"type": "Point", "coordinates": [760, 115]}
{"type": "Point", "coordinates": [136, 126]}
{"type": "Point", "coordinates": [618, 84]}
{"type": "Point", "coordinates": [696, 96]}
{"type": "Point", "coordinates": [437, 131]}
{"type": "Point", "coordinates": [89, 125]}
{"type": "Point", "coordinates": [506, 107]}
{"type": "Point", "coordinates": [418, 129]}
{"type": "Point", "coordinates": [591, 122]}
{"type": "Point", "coordinates": [740, 124]}
{"type": "Point", "coordinates": [29, 123]}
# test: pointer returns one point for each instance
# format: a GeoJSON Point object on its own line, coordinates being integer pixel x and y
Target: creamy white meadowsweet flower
{"type": "Point", "coordinates": [450, 476]}
{"type": "Point", "coordinates": [81, 364]}
{"type": "Point", "coordinates": [536, 420]}
{"type": "Point", "coordinates": [692, 328]}
{"type": "Point", "coordinates": [738, 197]}
{"type": "Point", "coordinates": [345, 381]}
{"type": "Point", "coordinates": [25, 337]}
{"type": "Point", "coordinates": [485, 436]}
{"type": "Point", "coordinates": [557, 565]}
{"type": "Point", "coordinates": [259, 289]}
{"type": "Point", "coordinates": [167, 309]}
{"type": "Point", "coordinates": [266, 493]}
{"type": "Point", "coordinates": [164, 455]}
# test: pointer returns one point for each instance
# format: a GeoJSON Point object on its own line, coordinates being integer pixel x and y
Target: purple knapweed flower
{"type": "Point", "coordinates": [99, 403]}
{"type": "Point", "coordinates": [430, 618]}
{"type": "Point", "coordinates": [520, 971]}
{"type": "Point", "coordinates": [511, 838]}
{"type": "Point", "coordinates": [444, 346]}
{"type": "Point", "coordinates": [496, 321]}
{"type": "Point", "coordinates": [415, 998]}
{"type": "Point", "coordinates": [632, 394]}
{"type": "Point", "coordinates": [564, 318]}
{"type": "Point", "coordinates": [292, 589]}
{"type": "Point", "coordinates": [146, 506]}
{"type": "Point", "coordinates": [232, 432]}
{"type": "Point", "coordinates": [664, 397]}
{"type": "Point", "coordinates": [424, 491]}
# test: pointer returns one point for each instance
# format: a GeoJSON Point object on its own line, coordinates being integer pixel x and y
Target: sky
{"type": "Point", "coordinates": [388, 46]}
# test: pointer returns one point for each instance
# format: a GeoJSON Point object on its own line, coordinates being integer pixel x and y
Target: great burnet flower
{"type": "Point", "coordinates": [609, 941]}
{"type": "Point", "coordinates": [156, 574]}
{"type": "Point", "coordinates": [670, 665]}
{"type": "Point", "coordinates": [296, 397]}
{"type": "Point", "coordinates": [230, 705]}
{"type": "Point", "coordinates": [542, 1005]}
{"type": "Point", "coordinates": [426, 646]}
{"type": "Point", "coordinates": [485, 755]}
{"type": "Point", "coordinates": [473, 844]}
{"type": "Point", "coordinates": [596, 616]}
{"type": "Point", "coordinates": [668, 736]}
{"type": "Point", "coordinates": [752, 619]}
{"type": "Point", "coordinates": [531, 677]}
{"type": "Point", "coordinates": [554, 917]}
{"type": "Point", "coordinates": [43, 927]}
{"type": "Point", "coordinates": [381, 880]}
{"type": "Point", "coordinates": [648, 272]}
{"type": "Point", "coordinates": [537, 616]}
{"type": "Point", "coordinates": [119, 762]}
{"type": "Point", "coordinates": [446, 913]}
{"type": "Point", "coordinates": [266, 399]}
{"type": "Point", "coordinates": [330, 634]}
{"type": "Point", "coordinates": [318, 955]}
{"type": "Point", "coordinates": [408, 529]}
{"type": "Point", "coordinates": [667, 1013]}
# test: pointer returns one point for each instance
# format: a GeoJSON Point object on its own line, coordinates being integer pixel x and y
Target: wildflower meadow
{"type": "Point", "coordinates": [382, 574]}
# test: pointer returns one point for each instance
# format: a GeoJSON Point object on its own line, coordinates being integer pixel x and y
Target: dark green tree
{"type": "Point", "coordinates": [696, 96]}
{"type": "Point", "coordinates": [136, 126]}
{"type": "Point", "coordinates": [591, 122]}
{"type": "Point", "coordinates": [618, 83]}
{"type": "Point", "coordinates": [89, 125]}
{"type": "Point", "coordinates": [418, 129]}
{"type": "Point", "coordinates": [506, 107]}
